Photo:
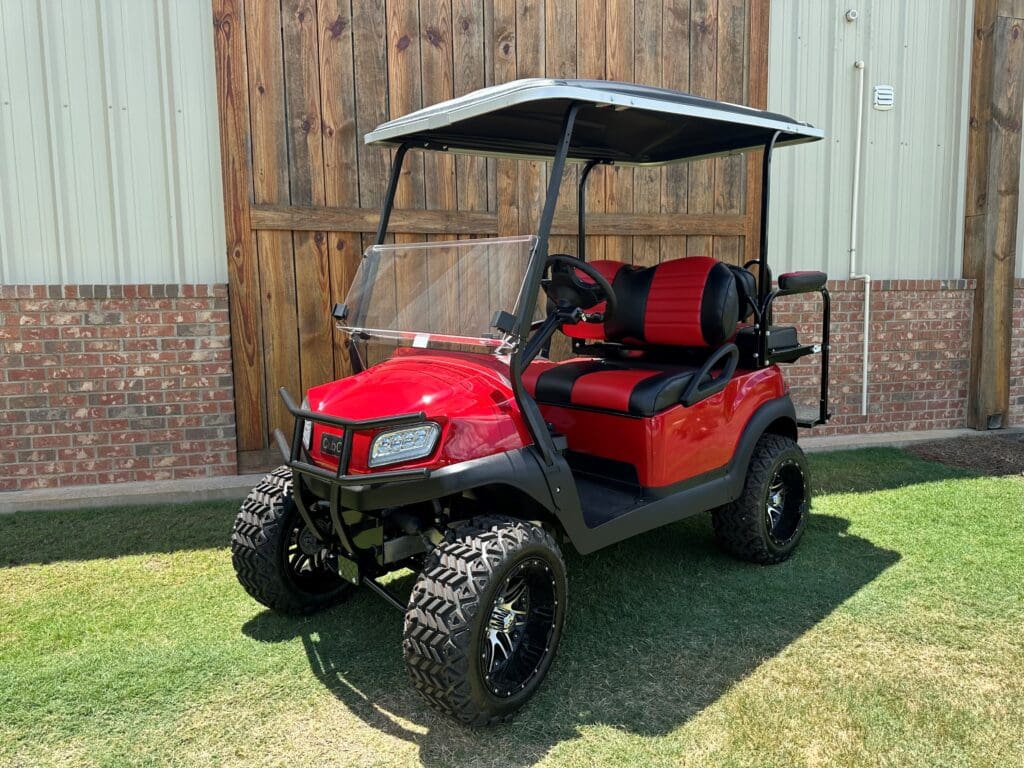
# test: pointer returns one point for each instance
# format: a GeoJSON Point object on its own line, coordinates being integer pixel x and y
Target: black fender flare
{"type": "Point", "coordinates": [780, 409]}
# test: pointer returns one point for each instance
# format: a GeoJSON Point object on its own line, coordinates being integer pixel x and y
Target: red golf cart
{"type": "Point", "coordinates": [461, 450]}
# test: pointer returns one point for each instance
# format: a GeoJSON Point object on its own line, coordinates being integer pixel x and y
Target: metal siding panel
{"type": "Point", "coordinates": [109, 143]}
{"type": "Point", "coordinates": [25, 189]}
{"type": "Point", "coordinates": [912, 180]}
{"type": "Point", "coordinates": [1020, 220]}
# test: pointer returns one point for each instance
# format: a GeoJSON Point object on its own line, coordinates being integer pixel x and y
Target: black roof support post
{"type": "Point", "coordinates": [531, 285]}
{"type": "Point", "coordinates": [581, 209]}
{"type": "Point", "coordinates": [387, 205]}
{"type": "Point", "coordinates": [763, 279]}
{"type": "Point", "coordinates": [389, 195]}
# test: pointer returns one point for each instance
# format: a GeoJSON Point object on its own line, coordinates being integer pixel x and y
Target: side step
{"type": "Point", "coordinates": [808, 417]}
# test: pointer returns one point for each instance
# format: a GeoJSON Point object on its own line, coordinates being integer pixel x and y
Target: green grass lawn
{"type": "Point", "coordinates": [895, 636]}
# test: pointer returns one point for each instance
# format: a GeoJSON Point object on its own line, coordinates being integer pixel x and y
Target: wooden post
{"type": "Point", "coordinates": [759, 19]}
{"type": "Point", "coordinates": [243, 278]}
{"type": "Point", "coordinates": [993, 182]}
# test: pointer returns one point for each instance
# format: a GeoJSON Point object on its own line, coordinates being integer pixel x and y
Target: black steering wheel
{"type": "Point", "coordinates": [568, 291]}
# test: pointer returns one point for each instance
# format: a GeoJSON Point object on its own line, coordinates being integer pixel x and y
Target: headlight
{"type": "Point", "coordinates": [404, 444]}
{"type": "Point", "coordinates": [307, 426]}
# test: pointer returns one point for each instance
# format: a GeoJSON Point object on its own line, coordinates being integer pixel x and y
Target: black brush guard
{"type": "Point", "coordinates": [364, 546]}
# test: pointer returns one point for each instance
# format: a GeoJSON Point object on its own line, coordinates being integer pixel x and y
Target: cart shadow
{"type": "Point", "coordinates": [40, 537]}
{"type": "Point", "coordinates": [659, 628]}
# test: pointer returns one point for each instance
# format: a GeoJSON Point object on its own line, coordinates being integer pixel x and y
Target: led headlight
{"type": "Point", "coordinates": [404, 444]}
{"type": "Point", "coordinates": [307, 427]}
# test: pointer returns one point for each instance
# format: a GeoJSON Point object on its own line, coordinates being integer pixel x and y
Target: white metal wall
{"type": "Point", "coordinates": [1020, 218]}
{"type": "Point", "coordinates": [109, 152]}
{"type": "Point", "coordinates": [912, 182]}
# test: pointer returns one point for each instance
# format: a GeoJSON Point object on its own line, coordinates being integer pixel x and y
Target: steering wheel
{"type": "Point", "coordinates": [567, 290]}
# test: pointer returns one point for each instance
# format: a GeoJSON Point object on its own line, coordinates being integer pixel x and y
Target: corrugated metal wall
{"type": "Point", "coordinates": [109, 153]}
{"type": "Point", "coordinates": [1020, 219]}
{"type": "Point", "coordinates": [912, 183]}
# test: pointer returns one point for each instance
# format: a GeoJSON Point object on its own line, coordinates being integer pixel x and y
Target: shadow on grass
{"type": "Point", "coordinates": [659, 628]}
{"type": "Point", "coordinates": [87, 534]}
{"type": "Point", "coordinates": [51, 536]}
{"type": "Point", "coordinates": [877, 469]}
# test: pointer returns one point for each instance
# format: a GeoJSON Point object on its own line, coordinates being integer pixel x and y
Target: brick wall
{"type": "Point", "coordinates": [919, 354]}
{"type": "Point", "coordinates": [106, 384]}
{"type": "Point", "coordinates": [1017, 358]}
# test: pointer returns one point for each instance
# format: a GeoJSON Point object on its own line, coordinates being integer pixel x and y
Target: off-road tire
{"type": "Point", "coordinates": [259, 544]}
{"type": "Point", "coordinates": [742, 526]}
{"type": "Point", "coordinates": [450, 606]}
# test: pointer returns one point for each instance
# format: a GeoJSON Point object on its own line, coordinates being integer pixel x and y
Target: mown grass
{"type": "Point", "coordinates": [893, 637]}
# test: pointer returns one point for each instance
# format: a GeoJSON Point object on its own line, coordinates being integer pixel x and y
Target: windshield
{"type": "Point", "coordinates": [437, 295]}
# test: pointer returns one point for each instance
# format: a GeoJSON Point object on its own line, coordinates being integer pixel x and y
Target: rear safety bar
{"type": "Point", "coordinates": [790, 284]}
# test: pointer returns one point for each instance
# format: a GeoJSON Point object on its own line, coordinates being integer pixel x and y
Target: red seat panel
{"type": "Point", "coordinates": [609, 390]}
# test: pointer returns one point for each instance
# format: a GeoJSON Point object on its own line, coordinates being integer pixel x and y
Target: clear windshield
{"type": "Point", "coordinates": [440, 295]}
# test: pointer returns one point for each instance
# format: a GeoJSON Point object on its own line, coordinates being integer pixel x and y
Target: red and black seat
{"type": "Point", "coordinates": [690, 304]}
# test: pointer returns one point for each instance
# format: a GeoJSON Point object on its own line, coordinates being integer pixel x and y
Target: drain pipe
{"type": "Point", "coordinates": [854, 216]}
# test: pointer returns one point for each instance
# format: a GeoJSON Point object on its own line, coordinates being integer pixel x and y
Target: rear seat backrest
{"type": "Point", "coordinates": [691, 302]}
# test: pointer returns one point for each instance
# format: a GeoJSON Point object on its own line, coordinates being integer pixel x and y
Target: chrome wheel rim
{"type": "Point", "coordinates": [784, 503]}
{"type": "Point", "coordinates": [516, 638]}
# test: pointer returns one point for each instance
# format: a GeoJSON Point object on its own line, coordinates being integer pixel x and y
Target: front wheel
{"type": "Point", "coordinates": [277, 558]}
{"type": "Point", "coordinates": [484, 619]}
{"type": "Point", "coordinates": [765, 523]}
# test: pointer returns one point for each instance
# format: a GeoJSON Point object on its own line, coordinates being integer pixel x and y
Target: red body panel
{"type": "Point", "coordinates": [468, 395]}
{"type": "Point", "coordinates": [678, 443]}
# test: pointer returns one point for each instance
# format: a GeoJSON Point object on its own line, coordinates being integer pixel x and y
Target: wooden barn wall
{"type": "Point", "coordinates": [301, 81]}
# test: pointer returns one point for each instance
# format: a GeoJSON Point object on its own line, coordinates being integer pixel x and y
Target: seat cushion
{"type": "Point", "coordinates": [630, 387]}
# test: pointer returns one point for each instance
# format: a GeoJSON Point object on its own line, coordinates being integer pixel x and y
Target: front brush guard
{"type": "Point", "coordinates": [364, 550]}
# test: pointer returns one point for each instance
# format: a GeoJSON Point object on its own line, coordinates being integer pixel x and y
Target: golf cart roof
{"type": "Point", "coordinates": [622, 123]}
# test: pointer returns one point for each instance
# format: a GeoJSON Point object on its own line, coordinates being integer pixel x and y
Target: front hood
{"type": "Point", "coordinates": [437, 384]}
{"type": "Point", "coordinates": [468, 395]}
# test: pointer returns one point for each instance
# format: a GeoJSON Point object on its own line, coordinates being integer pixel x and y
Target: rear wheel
{"type": "Point", "coordinates": [766, 522]}
{"type": "Point", "coordinates": [277, 558]}
{"type": "Point", "coordinates": [485, 618]}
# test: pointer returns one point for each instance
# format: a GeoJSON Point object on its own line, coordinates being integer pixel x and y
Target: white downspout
{"type": "Point", "coordinates": [854, 216]}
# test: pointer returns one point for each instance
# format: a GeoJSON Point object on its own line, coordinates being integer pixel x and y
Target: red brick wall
{"type": "Point", "coordinates": [1017, 357]}
{"type": "Point", "coordinates": [919, 354]}
{"type": "Point", "coordinates": [105, 384]}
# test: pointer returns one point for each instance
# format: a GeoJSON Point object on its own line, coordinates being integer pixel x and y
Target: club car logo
{"type": "Point", "coordinates": [331, 444]}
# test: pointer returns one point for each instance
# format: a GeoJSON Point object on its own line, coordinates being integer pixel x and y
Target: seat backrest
{"type": "Point", "coordinates": [746, 285]}
{"type": "Point", "coordinates": [691, 302]}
